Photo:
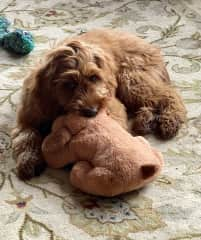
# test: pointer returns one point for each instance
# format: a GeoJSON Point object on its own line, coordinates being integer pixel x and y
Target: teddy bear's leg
{"type": "Point", "coordinates": [94, 180]}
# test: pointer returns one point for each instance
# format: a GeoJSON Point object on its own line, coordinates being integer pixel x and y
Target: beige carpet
{"type": "Point", "coordinates": [47, 207]}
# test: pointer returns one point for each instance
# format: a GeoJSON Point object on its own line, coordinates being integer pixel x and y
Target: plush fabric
{"type": "Point", "coordinates": [108, 160]}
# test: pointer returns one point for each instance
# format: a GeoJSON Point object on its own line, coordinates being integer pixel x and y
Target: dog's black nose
{"type": "Point", "coordinates": [89, 112]}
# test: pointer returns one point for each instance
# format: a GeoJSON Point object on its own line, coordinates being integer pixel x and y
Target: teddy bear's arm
{"type": "Point", "coordinates": [59, 123]}
{"type": "Point", "coordinates": [56, 140]}
{"type": "Point", "coordinates": [55, 148]}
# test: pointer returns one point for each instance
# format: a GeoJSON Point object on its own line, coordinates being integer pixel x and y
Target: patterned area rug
{"type": "Point", "coordinates": [48, 207]}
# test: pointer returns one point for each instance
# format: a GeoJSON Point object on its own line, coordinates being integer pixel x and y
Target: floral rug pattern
{"type": "Point", "coordinates": [48, 207]}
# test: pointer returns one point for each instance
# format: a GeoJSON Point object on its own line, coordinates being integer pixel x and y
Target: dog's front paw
{"type": "Point", "coordinates": [29, 165]}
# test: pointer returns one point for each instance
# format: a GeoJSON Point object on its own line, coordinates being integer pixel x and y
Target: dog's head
{"type": "Point", "coordinates": [79, 77]}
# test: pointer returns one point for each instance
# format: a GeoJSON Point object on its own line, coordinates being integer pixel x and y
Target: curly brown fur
{"type": "Point", "coordinates": [83, 74]}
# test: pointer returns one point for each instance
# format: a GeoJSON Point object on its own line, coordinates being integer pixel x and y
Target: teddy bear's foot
{"type": "Point", "coordinates": [94, 180]}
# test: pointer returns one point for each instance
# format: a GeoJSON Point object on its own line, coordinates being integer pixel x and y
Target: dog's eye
{"type": "Point", "coordinates": [94, 78]}
{"type": "Point", "coordinates": [70, 85]}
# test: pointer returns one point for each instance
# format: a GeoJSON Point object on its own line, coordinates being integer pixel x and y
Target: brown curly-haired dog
{"type": "Point", "coordinates": [87, 72]}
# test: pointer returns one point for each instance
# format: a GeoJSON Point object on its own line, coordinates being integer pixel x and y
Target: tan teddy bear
{"type": "Point", "coordinates": [107, 159]}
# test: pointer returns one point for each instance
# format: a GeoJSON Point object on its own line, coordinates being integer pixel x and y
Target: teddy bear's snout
{"type": "Point", "coordinates": [148, 171]}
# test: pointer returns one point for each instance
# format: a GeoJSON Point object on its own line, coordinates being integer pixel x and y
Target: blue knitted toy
{"type": "Point", "coordinates": [18, 41]}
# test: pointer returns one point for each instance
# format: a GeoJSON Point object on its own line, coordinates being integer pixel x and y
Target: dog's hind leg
{"type": "Point", "coordinates": [154, 105]}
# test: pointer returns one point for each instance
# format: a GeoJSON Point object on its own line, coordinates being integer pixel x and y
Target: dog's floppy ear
{"type": "Point", "coordinates": [75, 46]}
{"type": "Point", "coordinates": [55, 62]}
{"type": "Point", "coordinates": [47, 67]}
{"type": "Point", "coordinates": [63, 57]}
{"type": "Point", "coordinates": [66, 56]}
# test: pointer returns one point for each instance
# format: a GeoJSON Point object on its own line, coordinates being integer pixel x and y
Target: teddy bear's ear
{"type": "Point", "coordinates": [148, 171]}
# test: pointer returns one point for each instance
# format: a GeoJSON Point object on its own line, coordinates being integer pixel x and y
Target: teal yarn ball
{"type": "Point", "coordinates": [4, 23]}
{"type": "Point", "coordinates": [19, 41]}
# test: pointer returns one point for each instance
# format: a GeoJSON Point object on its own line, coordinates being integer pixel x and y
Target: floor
{"type": "Point", "coordinates": [48, 207]}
